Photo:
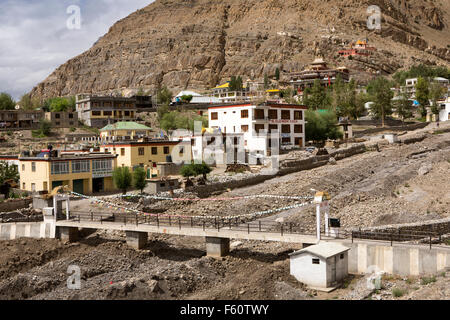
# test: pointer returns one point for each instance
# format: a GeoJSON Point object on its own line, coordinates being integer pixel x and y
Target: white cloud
{"type": "Point", "coordinates": [35, 39]}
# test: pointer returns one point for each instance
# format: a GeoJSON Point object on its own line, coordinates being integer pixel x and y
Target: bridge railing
{"type": "Point", "coordinates": [218, 223]}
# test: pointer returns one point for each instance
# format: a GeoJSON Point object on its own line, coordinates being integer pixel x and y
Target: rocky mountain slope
{"type": "Point", "coordinates": [198, 43]}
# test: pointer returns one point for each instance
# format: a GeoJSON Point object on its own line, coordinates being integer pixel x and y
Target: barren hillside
{"type": "Point", "coordinates": [198, 43]}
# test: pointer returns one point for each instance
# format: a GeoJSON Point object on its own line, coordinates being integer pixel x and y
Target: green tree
{"type": "Point", "coordinates": [266, 81]}
{"type": "Point", "coordinates": [380, 93]}
{"type": "Point", "coordinates": [277, 74]}
{"type": "Point", "coordinates": [321, 125]}
{"type": "Point", "coordinates": [187, 98]}
{"type": "Point", "coordinates": [423, 95]}
{"type": "Point", "coordinates": [140, 92]}
{"type": "Point", "coordinates": [164, 96]}
{"type": "Point", "coordinates": [235, 83]}
{"type": "Point", "coordinates": [316, 97]}
{"type": "Point", "coordinates": [28, 103]}
{"type": "Point", "coordinates": [6, 102]}
{"type": "Point", "coordinates": [8, 172]}
{"type": "Point", "coordinates": [188, 171]}
{"type": "Point", "coordinates": [140, 179]}
{"type": "Point", "coordinates": [404, 107]}
{"type": "Point", "coordinates": [122, 178]}
{"type": "Point", "coordinates": [59, 104]}
{"type": "Point", "coordinates": [436, 93]}
{"type": "Point", "coordinates": [202, 169]}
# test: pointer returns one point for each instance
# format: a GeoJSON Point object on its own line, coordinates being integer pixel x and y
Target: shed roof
{"type": "Point", "coordinates": [324, 250]}
{"type": "Point", "coordinates": [125, 125]}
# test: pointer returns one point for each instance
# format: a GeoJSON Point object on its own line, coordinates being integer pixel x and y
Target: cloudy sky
{"type": "Point", "coordinates": [35, 38]}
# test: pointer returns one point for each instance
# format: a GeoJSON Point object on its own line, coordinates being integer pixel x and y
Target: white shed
{"type": "Point", "coordinates": [322, 266]}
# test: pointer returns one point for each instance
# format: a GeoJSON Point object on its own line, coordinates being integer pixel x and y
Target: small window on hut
{"type": "Point", "coordinates": [315, 261]}
{"type": "Point", "coordinates": [341, 256]}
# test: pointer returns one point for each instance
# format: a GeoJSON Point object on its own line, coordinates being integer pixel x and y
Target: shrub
{"type": "Point", "coordinates": [427, 280]}
{"type": "Point", "coordinates": [397, 292]}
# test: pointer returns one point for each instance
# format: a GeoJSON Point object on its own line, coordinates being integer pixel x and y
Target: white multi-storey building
{"type": "Point", "coordinates": [257, 122]}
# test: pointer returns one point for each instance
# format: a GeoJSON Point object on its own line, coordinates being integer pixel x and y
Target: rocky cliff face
{"type": "Point", "coordinates": [199, 43]}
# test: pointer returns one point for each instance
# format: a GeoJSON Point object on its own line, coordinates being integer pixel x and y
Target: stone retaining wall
{"type": "Point", "coordinates": [289, 167]}
{"type": "Point", "coordinates": [14, 204]}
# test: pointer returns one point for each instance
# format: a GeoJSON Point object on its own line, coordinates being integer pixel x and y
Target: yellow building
{"type": "Point", "coordinates": [149, 153]}
{"type": "Point", "coordinates": [85, 173]}
{"type": "Point", "coordinates": [125, 129]}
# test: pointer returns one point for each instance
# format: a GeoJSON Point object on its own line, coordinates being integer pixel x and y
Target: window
{"type": "Point", "coordinates": [259, 127]}
{"type": "Point", "coordinates": [286, 140]}
{"type": "Point", "coordinates": [127, 113]}
{"type": "Point", "coordinates": [33, 187]}
{"type": "Point", "coordinates": [244, 128]}
{"type": "Point", "coordinates": [181, 150]}
{"type": "Point", "coordinates": [273, 114]}
{"type": "Point", "coordinates": [57, 123]}
{"type": "Point", "coordinates": [167, 150]}
{"type": "Point", "coordinates": [80, 166]}
{"type": "Point", "coordinates": [214, 116]}
{"type": "Point", "coordinates": [315, 261]}
{"type": "Point", "coordinates": [33, 166]}
{"type": "Point", "coordinates": [122, 151]}
{"type": "Point", "coordinates": [341, 256]}
{"type": "Point", "coordinates": [102, 165]}
{"type": "Point", "coordinates": [107, 113]}
{"type": "Point", "coordinates": [70, 115]}
{"type": "Point", "coordinates": [141, 151]}
{"type": "Point", "coordinates": [45, 185]}
{"type": "Point", "coordinates": [286, 128]}
{"type": "Point", "coordinates": [298, 128]}
{"type": "Point", "coordinates": [57, 116]}
{"type": "Point", "coordinates": [23, 167]}
{"type": "Point", "coordinates": [273, 127]}
{"type": "Point", "coordinates": [244, 114]}
{"type": "Point", "coordinates": [96, 113]}
{"type": "Point", "coordinates": [259, 114]}
{"type": "Point", "coordinates": [60, 167]}
{"type": "Point", "coordinates": [285, 114]}
{"type": "Point", "coordinates": [154, 150]}
{"type": "Point", "coordinates": [298, 115]}
{"type": "Point", "coordinates": [23, 186]}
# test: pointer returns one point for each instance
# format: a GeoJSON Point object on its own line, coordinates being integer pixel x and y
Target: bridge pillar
{"type": "Point", "coordinates": [136, 240]}
{"type": "Point", "coordinates": [217, 247]}
{"type": "Point", "coordinates": [69, 234]}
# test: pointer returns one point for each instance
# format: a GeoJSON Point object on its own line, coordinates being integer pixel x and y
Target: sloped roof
{"type": "Point", "coordinates": [324, 250]}
{"type": "Point", "coordinates": [125, 125]}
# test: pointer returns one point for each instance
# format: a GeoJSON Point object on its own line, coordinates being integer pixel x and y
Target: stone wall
{"type": "Point", "coordinates": [441, 226]}
{"type": "Point", "coordinates": [14, 204]}
{"type": "Point", "coordinates": [287, 168]}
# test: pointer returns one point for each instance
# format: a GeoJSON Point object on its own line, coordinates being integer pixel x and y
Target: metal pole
{"type": "Point", "coordinates": [318, 221]}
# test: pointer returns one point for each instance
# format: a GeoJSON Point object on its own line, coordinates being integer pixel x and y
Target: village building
{"type": "Point", "coordinates": [196, 98]}
{"type": "Point", "coordinates": [82, 172]}
{"type": "Point", "coordinates": [125, 130]}
{"type": "Point", "coordinates": [318, 70]}
{"type": "Point", "coordinates": [358, 48]}
{"type": "Point", "coordinates": [99, 111]}
{"type": "Point", "coordinates": [322, 266]}
{"type": "Point", "coordinates": [62, 119]}
{"type": "Point", "coordinates": [444, 110]}
{"type": "Point", "coordinates": [148, 154]}
{"type": "Point", "coordinates": [410, 86]}
{"type": "Point", "coordinates": [345, 126]}
{"type": "Point", "coordinates": [257, 121]}
{"type": "Point", "coordinates": [251, 91]}
{"type": "Point", "coordinates": [20, 119]}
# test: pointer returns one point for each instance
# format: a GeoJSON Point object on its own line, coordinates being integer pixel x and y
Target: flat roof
{"type": "Point", "coordinates": [67, 157]}
{"type": "Point", "coordinates": [143, 143]}
{"type": "Point", "coordinates": [324, 250]}
{"type": "Point", "coordinates": [272, 105]}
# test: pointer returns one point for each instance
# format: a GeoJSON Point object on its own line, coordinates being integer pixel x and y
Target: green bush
{"type": "Point", "coordinates": [397, 292]}
{"type": "Point", "coordinates": [427, 280]}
